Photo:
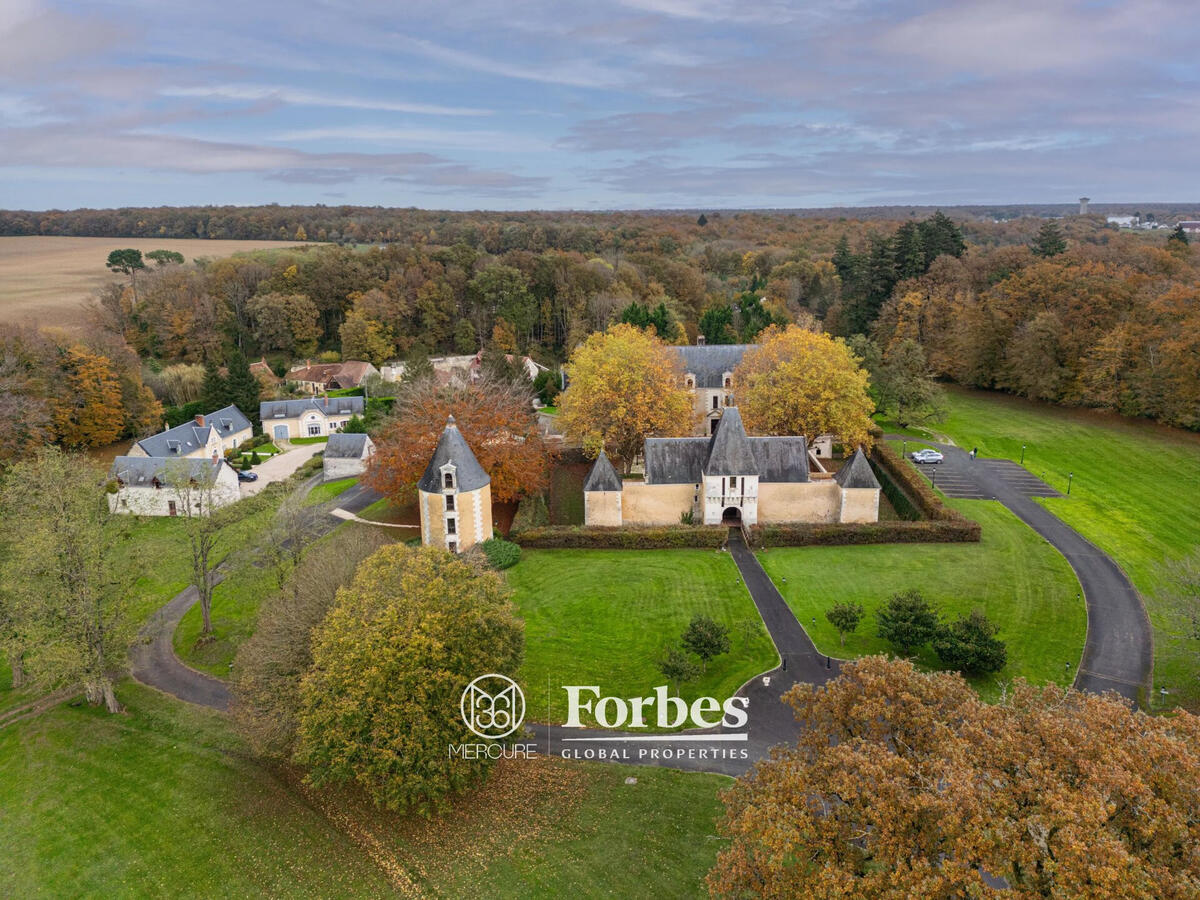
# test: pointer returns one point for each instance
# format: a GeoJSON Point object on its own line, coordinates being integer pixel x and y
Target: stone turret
{"type": "Point", "coordinates": [455, 495]}
{"type": "Point", "coordinates": [860, 490]}
{"type": "Point", "coordinates": [602, 494]}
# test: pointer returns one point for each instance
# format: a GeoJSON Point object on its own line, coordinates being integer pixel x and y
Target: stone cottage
{"type": "Point", "coordinates": [455, 495]}
{"type": "Point", "coordinates": [347, 455]}
{"type": "Point", "coordinates": [145, 485]}
{"type": "Point", "coordinates": [730, 478]}
{"type": "Point", "coordinates": [316, 417]}
{"type": "Point", "coordinates": [207, 437]}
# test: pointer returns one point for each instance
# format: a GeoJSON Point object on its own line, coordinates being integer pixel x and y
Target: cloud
{"type": "Point", "coordinates": [576, 73]}
{"type": "Point", "coordinates": [283, 94]}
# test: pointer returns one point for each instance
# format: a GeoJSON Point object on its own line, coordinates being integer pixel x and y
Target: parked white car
{"type": "Point", "coordinates": [927, 456]}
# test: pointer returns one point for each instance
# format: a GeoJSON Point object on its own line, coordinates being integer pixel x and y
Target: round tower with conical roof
{"type": "Point", "coordinates": [455, 495]}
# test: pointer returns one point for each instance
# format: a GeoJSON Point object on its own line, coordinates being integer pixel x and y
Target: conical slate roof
{"type": "Point", "coordinates": [452, 449]}
{"type": "Point", "coordinates": [729, 450]}
{"type": "Point", "coordinates": [602, 477]}
{"type": "Point", "coordinates": [857, 473]}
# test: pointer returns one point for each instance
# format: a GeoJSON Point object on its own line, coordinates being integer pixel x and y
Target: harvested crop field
{"type": "Point", "coordinates": [46, 279]}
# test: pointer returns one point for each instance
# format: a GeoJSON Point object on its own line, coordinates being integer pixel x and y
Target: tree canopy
{"type": "Point", "coordinates": [906, 784]}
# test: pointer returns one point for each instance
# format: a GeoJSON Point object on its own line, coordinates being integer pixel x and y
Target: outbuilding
{"type": "Point", "coordinates": [347, 455]}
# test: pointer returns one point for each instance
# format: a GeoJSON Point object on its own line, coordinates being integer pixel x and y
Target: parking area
{"type": "Point", "coordinates": [1019, 478]}
{"type": "Point", "coordinates": [279, 467]}
{"type": "Point", "coordinates": [956, 476]}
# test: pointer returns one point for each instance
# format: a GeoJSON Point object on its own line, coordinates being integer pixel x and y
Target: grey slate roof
{"type": "Point", "coordinates": [452, 449]}
{"type": "Point", "coordinates": [189, 437]}
{"type": "Point", "coordinates": [729, 450]}
{"type": "Point", "coordinates": [141, 471]}
{"type": "Point", "coordinates": [346, 446]}
{"type": "Point", "coordinates": [709, 362]}
{"type": "Point", "coordinates": [602, 477]}
{"type": "Point", "coordinates": [857, 473]}
{"type": "Point", "coordinates": [291, 409]}
{"type": "Point", "coordinates": [688, 460]}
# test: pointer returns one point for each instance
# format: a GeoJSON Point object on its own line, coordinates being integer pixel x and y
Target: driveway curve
{"type": "Point", "coordinates": [1118, 654]}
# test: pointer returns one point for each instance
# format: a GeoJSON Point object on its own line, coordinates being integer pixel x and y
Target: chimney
{"type": "Point", "coordinates": [699, 340]}
{"type": "Point", "coordinates": [200, 420]}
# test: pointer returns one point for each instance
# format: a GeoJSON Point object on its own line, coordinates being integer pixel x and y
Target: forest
{"type": "Point", "coordinates": [1066, 310]}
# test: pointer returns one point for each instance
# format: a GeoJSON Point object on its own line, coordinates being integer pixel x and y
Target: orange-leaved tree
{"type": "Point", "coordinates": [797, 381]}
{"type": "Point", "coordinates": [624, 385]}
{"type": "Point", "coordinates": [495, 416]}
{"type": "Point", "coordinates": [88, 409]}
{"type": "Point", "coordinates": [905, 784]}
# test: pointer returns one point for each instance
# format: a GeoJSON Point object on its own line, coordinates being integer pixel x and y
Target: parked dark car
{"type": "Point", "coordinates": [247, 476]}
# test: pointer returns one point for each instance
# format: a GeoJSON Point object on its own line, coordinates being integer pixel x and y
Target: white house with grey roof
{"type": "Point", "coordinates": [150, 485]}
{"type": "Point", "coordinates": [312, 417]}
{"type": "Point", "coordinates": [347, 455]}
{"type": "Point", "coordinates": [206, 437]}
{"type": "Point", "coordinates": [730, 478]}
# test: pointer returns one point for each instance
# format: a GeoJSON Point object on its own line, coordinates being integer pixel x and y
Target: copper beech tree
{"type": "Point", "coordinates": [495, 416]}
{"type": "Point", "coordinates": [908, 785]}
{"type": "Point", "coordinates": [624, 385]}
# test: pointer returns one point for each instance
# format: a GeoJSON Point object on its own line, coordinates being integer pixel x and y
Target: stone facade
{"type": "Point", "coordinates": [346, 455]}
{"type": "Point", "coordinates": [144, 485]}
{"type": "Point", "coordinates": [209, 436]}
{"type": "Point", "coordinates": [319, 417]}
{"type": "Point", "coordinates": [454, 495]}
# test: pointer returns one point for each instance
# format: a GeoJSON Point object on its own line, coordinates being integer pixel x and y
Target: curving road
{"type": "Point", "coordinates": [1118, 654]}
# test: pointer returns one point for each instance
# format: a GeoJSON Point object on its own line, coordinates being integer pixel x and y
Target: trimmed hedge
{"type": "Point", "coordinates": [959, 531]}
{"type": "Point", "coordinates": [576, 537]}
{"type": "Point", "coordinates": [501, 554]}
{"type": "Point", "coordinates": [910, 482]}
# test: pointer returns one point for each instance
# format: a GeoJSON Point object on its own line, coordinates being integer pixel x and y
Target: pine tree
{"type": "Point", "coordinates": [242, 388]}
{"type": "Point", "coordinates": [1049, 241]}
{"type": "Point", "coordinates": [941, 237]}
{"type": "Point", "coordinates": [215, 391]}
{"type": "Point", "coordinates": [1178, 235]}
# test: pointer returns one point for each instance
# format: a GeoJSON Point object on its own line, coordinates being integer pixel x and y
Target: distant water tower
{"type": "Point", "coordinates": [1083, 202]}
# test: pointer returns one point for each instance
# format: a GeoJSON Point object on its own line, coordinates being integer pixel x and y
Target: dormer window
{"type": "Point", "coordinates": [690, 382]}
{"type": "Point", "coordinates": [728, 382]}
{"type": "Point", "coordinates": [448, 481]}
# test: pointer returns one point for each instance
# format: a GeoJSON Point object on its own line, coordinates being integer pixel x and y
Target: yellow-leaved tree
{"type": "Point", "coordinates": [624, 385]}
{"type": "Point", "coordinates": [797, 381]}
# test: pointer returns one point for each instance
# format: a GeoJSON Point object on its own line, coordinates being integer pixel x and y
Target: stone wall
{"type": "Point", "coordinates": [860, 505]}
{"type": "Point", "coordinates": [602, 509]}
{"type": "Point", "coordinates": [812, 501]}
{"type": "Point", "coordinates": [151, 501]}
{"type": "Point", "coordinates": [655, 504]}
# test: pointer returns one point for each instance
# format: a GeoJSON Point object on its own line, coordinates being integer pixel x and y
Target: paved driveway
{"type": "Point", "coordinates": [280, 466]}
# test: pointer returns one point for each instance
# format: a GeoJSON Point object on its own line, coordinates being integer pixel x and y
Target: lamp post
{"type": "Point", "coordinates": [1022, 454]}
{"type": "Point", "coordinates": [1070, 478]}
{"type": "Point", "coordinates": [904, 448]}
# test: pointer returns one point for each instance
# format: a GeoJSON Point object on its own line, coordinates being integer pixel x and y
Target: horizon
{"type": "Point", "coordinates": [631, 105]}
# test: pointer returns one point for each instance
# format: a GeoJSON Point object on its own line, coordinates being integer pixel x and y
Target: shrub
{"type": "Point", "coordinates": [844, 616]}
{"type": "Point", "coordinates": [501, 554]}
{"type": "Point", "coordinates": [907, 620]}
{"type": "Point", "coordinates": [531, 513]}
{"type": "Point", "coordinates": [969, 644]}
{"type": "Point", "coordinates": [255, 459]}
{"type": "Point", "coordinates": [706, 638]}
{"type": "Point", "coordinates": [245, 466]}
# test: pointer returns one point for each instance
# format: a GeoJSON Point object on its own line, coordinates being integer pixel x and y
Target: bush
{"type": "Point", "coordinates": [245, 466]}
{"type": "Point", "coordinates": [255, 459]}
{"type": "Point", "coordinates": [970, 645]}
{"type": "Point", "coordinates": [531, 513]}
{"type": "Point", "coordinates": [576, 537]}
{"type": "Point", "coordinates": [946, 531]}
{"type": "Point", "coordinates": [907, 620]}
{"type": "Point", "coordinates": [501, 554]}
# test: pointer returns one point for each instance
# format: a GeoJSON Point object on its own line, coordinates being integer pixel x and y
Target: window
{"type": "Point", "coordinates": [314, 430]}
{"type": "Point", "coordinates": [689, 383]}
{"type": "Point", "coordinates": [452, 546]}
{"type": "Point", "coordinates": [452, 525]}
{"type": "Point", "coordinates": [728, 382]}
{"type": "Point", "coordinates": [449, 502]}
{"type": "Point", "coordinates": [171, 508]}
{"type": "Point", "coordinates": [716, 401]}
{"type": "Point", "coordinates": [448, 480]}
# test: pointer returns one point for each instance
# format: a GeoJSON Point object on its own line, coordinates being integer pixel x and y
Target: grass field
{"type": "Point", "coordinates": [1023, 584]}
{"type": "Point", "coordinates": [604, 617]}
{"type": "Point", "coordinates": [1135, 494]}
{"type": "Point", "coordinates": [328, 490]}
{"type": "Point", "coordinates": [164, 801]}
{"type": "Point", "coordinates": [48, 278]}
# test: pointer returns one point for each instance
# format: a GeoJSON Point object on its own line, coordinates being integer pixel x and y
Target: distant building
{"type": "Point", "coordinates": [146, 486]}
{"type": "Point", "coordinates": [315, 417]}
{"type": "Point", "coordinates": [265, 374]}
{"type": "Point", "coordinates": [455, 495]}
{"type": "Point", "coordinates": [459, 370]}
{"type": "Point", "coordinates": [208, 436]}
{"type": "Point", "coordinates": [347, 455]}
{"type": "Point", "coordinates": [1083, 205]}
{"type": "Point", "coordinates": [317, 379]}
{"type": "Point", "coordinates": [1190, 227]}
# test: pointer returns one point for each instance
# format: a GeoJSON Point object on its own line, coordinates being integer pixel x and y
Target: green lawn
{"type": "Point", "coordinates": [328, 490]}
{"type": "Point", "coordinates": [309, 440]}
{"type": "Point", "coordinates": [1023, 584]}
{"type": "Point", "coordinates": [164, 801]}
{"type": "Point", "coordinates": [1135, 494]}
{"type": "Point", "coordinates": [604, 617]}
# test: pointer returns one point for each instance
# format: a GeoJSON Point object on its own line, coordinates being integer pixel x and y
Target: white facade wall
{"type": "Point", "coordinates": [344, 468]}
{"type": "Point", "coordinates": [722, 492]}
{"type": "Point", "coordinates": [145, 500]}
{"type": "Point", "coordinates": [299, 426]}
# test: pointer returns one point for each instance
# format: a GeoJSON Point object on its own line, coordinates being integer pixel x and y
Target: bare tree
{"type": "Point", "coordinates": [194, 485]}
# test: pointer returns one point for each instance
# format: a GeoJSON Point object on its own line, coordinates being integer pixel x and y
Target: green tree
{"type": "Point", "coordinates": [677, 667]}
{"type": "Point", "coordinates": [1178, 236]}
{"type": "Point", "coordinates": [905, 389]}
{"type": "Point", "coordinates": [355, 425]}
{"type": "Point", "coordinates": [1049, 241]}
{"type": "Point", "coordinates": [705, 637]}
{"type": "Point", "coordinates": [716, 324]}
{"type": "Point", "coordinates": [66, 584]}
{"type": "Point", "coordinates": [844, 616]}
{"type": "Point", "coordinates": [702, 220]}
{"type": "Point", "coordinates": [969, 644]}
{"type": "Point", "coordinates": [907, 620]}
{"type": "Point", "coordinates": [380, 705]}
{"type": "Point", "coordinates": [941, 237]}
{"type": "Point", "coordinates": [545, 385]}
{"type": "Point", "coordinates": [464, 337]}
{"type": "Point", "coordinates": [417, 366]}
{"type": "Point", "coordinates": [242, 388]}
{"type": "Point", "coordinates": [165, 257]}
{"type": "Point", "coordinates": [127, 262]}
{"type": "Point", "coordinates": [214, 391]}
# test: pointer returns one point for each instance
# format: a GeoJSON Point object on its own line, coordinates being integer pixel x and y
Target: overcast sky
{"type": "Point", "coordinates": [561, 104]}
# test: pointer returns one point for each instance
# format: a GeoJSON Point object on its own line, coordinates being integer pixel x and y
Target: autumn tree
{"type": "Point", "coordinates": [904, 784]}
{"type": "Point", "coordinates": [366, 339]}
{"type": "Point", "coordinates": [799, 382]}
{"type": "Point", "coordinates": [380, 705]}
{"type": "Point", "coordinates": [88, 410]}
{"type": "Point", "coordinates": [287, 322]}
{"type": "Point", "coordinates": [272, 661]}
{"type": "Point", "coordinates": [67, 585]}
{"type": "Point", "coordinates": [495, 416]}
{"type": "Point", "coordinates": [623, 385]}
